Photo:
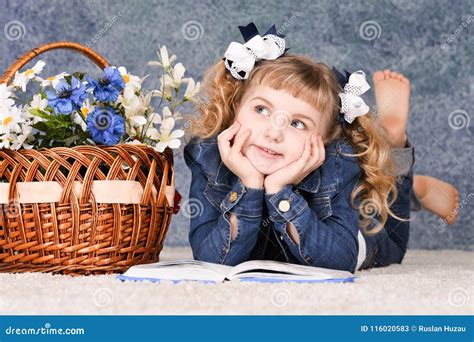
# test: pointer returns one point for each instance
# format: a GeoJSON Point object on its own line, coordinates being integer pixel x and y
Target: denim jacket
{"type": "Point", "coordinates": [319, 207]}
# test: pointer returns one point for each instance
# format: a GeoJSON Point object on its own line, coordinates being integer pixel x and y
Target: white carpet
{"type": "Point", "coordinates": [428, 282]}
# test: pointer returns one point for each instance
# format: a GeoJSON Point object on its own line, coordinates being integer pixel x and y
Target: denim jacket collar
{"type": "Point", "coordinates": [218, 173]}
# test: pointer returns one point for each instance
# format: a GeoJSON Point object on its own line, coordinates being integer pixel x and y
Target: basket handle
{"type": "Point", "coordinates": [91, 54]}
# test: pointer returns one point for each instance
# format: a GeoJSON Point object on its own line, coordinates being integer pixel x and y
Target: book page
{"type": "Point", "coordinates": [273, 269]}
{"type": "Point", "coordinates": [180, 270]}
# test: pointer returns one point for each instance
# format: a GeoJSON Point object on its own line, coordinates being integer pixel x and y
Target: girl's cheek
{"type": "Point", "coordinates": [248, 140]}
{"type": "Point", "coordinates": [297, 147]}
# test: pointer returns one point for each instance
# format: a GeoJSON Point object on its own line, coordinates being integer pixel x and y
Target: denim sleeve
{"type": "Point", "coordinates": [209, 235]}
{"type": "Point", "coordinates": [332, 243]}
{"type": "Point", "coordinates": [403, 158]}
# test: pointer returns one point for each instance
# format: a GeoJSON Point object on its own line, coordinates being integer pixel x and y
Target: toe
{"type": "Point", "coordinates": [386, 72]}
{"type": "Point", "coordinates": [377, 76]}
{"type": "Point", "coordinates": [455, 192]}
{"type": "Point", "coordinates": [404, 79]}
{"type": "Point", "coordinates": [394, 74]}
{"type": "Point", "coordinates": [452, 216]}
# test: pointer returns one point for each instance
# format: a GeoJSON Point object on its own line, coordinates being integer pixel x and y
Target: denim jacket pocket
{"type": "Point", "coordinates": [215, 194]}
{"type": "Point", "coordinates": [321, 205]}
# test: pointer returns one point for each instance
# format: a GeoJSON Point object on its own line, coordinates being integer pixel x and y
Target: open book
{"type": "Point", "coordinates": [254, 270]}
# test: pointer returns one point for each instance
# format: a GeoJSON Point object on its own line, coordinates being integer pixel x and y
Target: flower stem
{"type": "Point", "coordinates": [144, 130]}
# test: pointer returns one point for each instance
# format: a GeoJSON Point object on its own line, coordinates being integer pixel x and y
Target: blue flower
{"type": "Point", "coordinates": [67, 98]}
{"type": "Point", "coordinates": [108, 87]}
{"type": "Point", "coordinates": [105, 125]}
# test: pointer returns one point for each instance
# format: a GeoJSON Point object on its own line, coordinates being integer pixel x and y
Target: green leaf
{"type": "Point", "coordinates": [79, 75]}
{"type": "Point", "coordinates": [39, 113]}
{"type": "Point", "coordinates": [69, 141]}
{"type": "Point", "coordinates": [41, 126]}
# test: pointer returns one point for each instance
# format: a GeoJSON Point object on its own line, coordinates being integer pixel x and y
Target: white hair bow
{"type": "Point", "coordinates": [352, 105]}
{"type": "Point", "coordinates": [240, 59]}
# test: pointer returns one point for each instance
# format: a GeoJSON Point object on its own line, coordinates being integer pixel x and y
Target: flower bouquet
{"type": "Point", "coordinates": [87, 180]}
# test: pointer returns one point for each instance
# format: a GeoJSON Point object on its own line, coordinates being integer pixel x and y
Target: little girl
{"type": "Point", "coordinates": [287, 165]}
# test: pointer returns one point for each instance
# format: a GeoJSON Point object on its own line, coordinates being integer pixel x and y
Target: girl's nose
{"type": "Point", "coordinates": [274, 133]}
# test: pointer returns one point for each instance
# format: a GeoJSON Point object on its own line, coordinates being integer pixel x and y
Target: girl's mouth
{"type": "Point", "coordinates": [266, 153]}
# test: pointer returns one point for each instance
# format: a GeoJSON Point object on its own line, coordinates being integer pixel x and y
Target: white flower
{"type": "Point", "coordinates": [6, 139]}
{"type": "Point", "coordinates": [191, 90]}
{"type": "Point", "coordinates": [166, 137]}
{"type": "Point", "coordinates": [165, 87]}
{"type": "Point", "coordinates": [38, 102]}
{"type": "Point", "coordinates": [173, 80]}
{"type": "Point", "coordinates": [138, 121]}
{"type": "Point", "coordinates": [129, 79]}
{"type": "Point", "coordinates": [9, 120]}
{"type": "Point", "coordinates": [53, 80]}
{"type": "Point", "coordinates": [85, 110]}
{"type": "Point", "coordinates": [5, 100]}
{"type": "Point", "coordinates": [77, 119]}
{"type": "Point", "coordinates": [134, 105]}
{"type": "Point", "coordinates": [22, 139]}
{"type": "Point", "coordinates": [165, 61]}
{"type": "Point", "coordinates": [157, 119]}
{"type": "Point", "coordinates": [22, 78]}
{"type": "Point", "coordinates": [167, 113]}
{"type": "Point", "coordinates": [177, 74]}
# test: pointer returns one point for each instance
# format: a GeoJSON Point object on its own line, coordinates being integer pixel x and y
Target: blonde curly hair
{"type": "Point", "coordinates": [316, 84]}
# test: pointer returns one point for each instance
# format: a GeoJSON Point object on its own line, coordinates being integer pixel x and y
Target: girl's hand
{"type": "Point", "coordinates": [312, 157]}
{"type": "Point", "coordinates": [234, 159]}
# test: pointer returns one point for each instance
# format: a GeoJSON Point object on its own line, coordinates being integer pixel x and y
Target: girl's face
{"type": "Point", "coordinates": [278, 122]}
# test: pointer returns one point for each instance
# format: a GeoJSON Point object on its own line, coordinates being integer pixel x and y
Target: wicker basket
{"type": "Point", "coordinates": [74, 231]}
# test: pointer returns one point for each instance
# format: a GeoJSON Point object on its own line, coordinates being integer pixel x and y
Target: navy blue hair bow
{"type": "Point", "coordinates": [249, 31]}
{"type": "Point", "coordinates": [341, 78]}
{"type": "Point", "coordinates": [353, 86]}
{"type": "Point", "coordinates": [240, 59]}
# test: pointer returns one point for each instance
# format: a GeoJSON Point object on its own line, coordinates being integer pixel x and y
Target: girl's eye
{"type": "Point", "coordinates": [258, 109]}
{"type": "Point", "coordinates": [302, 124]}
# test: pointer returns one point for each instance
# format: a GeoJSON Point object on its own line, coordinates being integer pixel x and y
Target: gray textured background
{"type": "Point", "coordinates": [429, 41]}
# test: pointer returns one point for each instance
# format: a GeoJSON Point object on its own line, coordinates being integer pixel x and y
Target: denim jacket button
{"type": "Point", "coordinates": [284, 206]}
{"type": "Point", "coordinates": [233, 196]}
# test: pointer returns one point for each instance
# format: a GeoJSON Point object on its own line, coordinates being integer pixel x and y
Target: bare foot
{"type": "Point", "coordinates": [392, 95]}
{"type": "Point", "coordinates": [439, 197]}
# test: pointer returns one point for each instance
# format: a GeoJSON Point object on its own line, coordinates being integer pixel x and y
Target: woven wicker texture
{"type": "Point", "coordinates": [77, 235]}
